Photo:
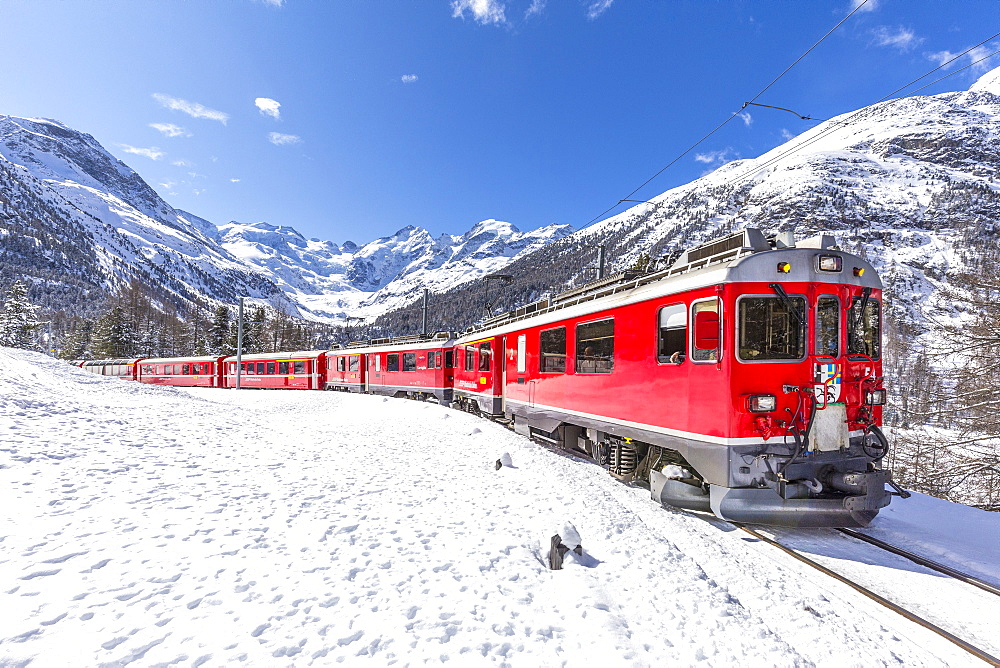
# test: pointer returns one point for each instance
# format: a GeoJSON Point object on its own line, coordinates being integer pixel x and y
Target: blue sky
{"type": "Point", "coordinates": [349, 119]}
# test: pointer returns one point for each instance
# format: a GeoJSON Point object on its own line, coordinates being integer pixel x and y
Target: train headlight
{"type": "Point", "coordinates": [784, 267]}
{"type": "Point", "coordinates": [859, 271]}
{"type": "Point", "coordinates": [830, 263]}
{"type": "Point", "coordinates": [762, 403]}
{"type": "Point", "coordinates": [875, 397]}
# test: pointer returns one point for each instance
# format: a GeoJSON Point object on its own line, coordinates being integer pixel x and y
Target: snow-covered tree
{"type": "Point", "coordinates": [115, 335]}
{"type": "Point", "coordinates": [218, 335]}
{"type": "Point", "coordinates": [18, 324]}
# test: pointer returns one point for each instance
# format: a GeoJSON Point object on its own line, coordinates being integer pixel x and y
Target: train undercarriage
{"type": "Point", "coordinates": [754, 484]}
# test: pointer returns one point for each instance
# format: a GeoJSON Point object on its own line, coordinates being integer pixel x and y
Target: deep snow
{"type": "Point", "coordinates": [160, 526]}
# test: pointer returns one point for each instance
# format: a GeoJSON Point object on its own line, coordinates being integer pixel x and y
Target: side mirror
{"type": "Point", "coordinates": [706, 330]}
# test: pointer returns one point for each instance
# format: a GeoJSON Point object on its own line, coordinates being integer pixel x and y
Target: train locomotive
{"type": "Point", "coordinates": [745, 380]}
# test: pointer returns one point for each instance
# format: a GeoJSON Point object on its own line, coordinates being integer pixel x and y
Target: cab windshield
{"type": "Point", "coordinates": [771, 328]}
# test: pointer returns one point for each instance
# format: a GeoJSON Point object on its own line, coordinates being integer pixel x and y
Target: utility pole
{"type": "Point", "coordinates": [239, 345]}
{"type": "Point", "coordinates": [423, 323]}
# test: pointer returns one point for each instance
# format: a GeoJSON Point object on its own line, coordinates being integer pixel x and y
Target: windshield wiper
{"type": "Point", "coordinates": [787, 301]}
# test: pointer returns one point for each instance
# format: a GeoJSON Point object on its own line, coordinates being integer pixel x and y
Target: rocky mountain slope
{"type": "Point", "coordinates": [330, 281]}
{"type": "Point", "coordinates": [79, 225]}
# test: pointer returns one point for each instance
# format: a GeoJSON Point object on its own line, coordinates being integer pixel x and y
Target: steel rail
{"type": "Point", "coordinates": [924, 561]}
{"type": "Point", "coordinates": [968, 647]}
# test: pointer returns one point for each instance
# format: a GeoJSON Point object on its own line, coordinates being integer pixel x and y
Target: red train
{"type": "Point", "coordinates": [745, 380]}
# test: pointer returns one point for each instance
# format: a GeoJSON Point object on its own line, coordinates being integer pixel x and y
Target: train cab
{"type": "Point", "coordinates": [345, 370]}
{"type": "Point", "coordinates": [418, 367]}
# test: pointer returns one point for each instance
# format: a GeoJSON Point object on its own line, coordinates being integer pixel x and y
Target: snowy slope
{"type": "Point", "coordinates": [159, 526]}
{"type": "Point", "coordinates": [331, 281]}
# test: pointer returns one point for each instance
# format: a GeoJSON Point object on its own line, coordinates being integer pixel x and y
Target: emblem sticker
{"type": "Point", "coordinates": [827, 387]}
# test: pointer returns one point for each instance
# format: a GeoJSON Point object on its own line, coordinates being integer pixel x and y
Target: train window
{"type": "Point", "coordinates": [283, 368]}
{"type": "Point", "coordinates": [470, 358]}
{"type": "Point", "coordinates": [828, 326]}
{"type": "Point", "coordinates": [187, 369]}
{"type": "Point", "coordinates": [392, 362]}
{"type": "Point", "coordinates": [705, 344]}
{"type": "Point", "coordinates": [672, 336]}
{"type": "Point", "coordinates": [378, 362]}
{"type": "Point", "coordinates": [299, 366]}
{"type": "Point", "coordinates": [260, 368]}
{"type": "Point", "coordinates": [864, 333]}
{"type": "Point", "coordinates": [485, 355]}
{"type": "Point", "coordinates": [553, 347]}
{"type": "Point", "coordinates": [409, 361]}
{"type": "Point", "coordinates": [341, 364]}
{"type": "Point", "coordinates": [354, 363]}
{"type": "Point", "coordinates": [432, 359]}
{"type": "Point", "coordinates": [595, 347]}
{"type": "Point", "coordinates": [449, 359]}
{"type": "Point", "coordinates": [522, 351]}
{"type": "Point", "coordinates": [270, 368]}
{"type": "Point", "coordinates": [771, 328]}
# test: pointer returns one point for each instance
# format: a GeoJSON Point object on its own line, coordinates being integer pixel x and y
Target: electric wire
{"type": "Point", "coordinates": [731, 117]}
{"type": "Point", "coordinates": [836, 125]}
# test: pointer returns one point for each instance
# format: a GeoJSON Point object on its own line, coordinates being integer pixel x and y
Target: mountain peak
{"type": "Point", "coordinates": [988, 83]}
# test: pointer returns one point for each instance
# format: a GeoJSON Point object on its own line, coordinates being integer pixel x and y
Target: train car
{"type": "Point", "coordinates": [418, 367]}
{"type": "Point", "coordinates": [478, 375]}
{"type": "Point", "coordinates": [345, 370]}
{"type": "Point", "coordinates": [745, 380]}
{"type": "Point", "coordinates": [125, 369]}
{"type": "Point", "coordinates": [301, 370]}
{"type": "Point", "coordinates": [181, 371]}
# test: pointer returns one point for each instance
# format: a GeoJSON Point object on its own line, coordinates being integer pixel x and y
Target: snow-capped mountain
{"type": "Point", "coordinates": [83, 224]}
{"type": "Point", "coordinates": [914, 183]}
{"type": "Point", "coordinates": [330, 280]}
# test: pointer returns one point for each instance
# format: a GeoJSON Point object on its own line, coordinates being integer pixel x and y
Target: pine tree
{"type": "Point", "coordinates": [219, 342]}
{"type": "Point", "coordinates": [18, 325]}
{"type": "Point", "coordinates": [77, 343]}
{"type": "Point", "coordinates": [114, 335]}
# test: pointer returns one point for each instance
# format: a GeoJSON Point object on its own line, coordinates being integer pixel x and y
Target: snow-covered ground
{"type": "Point", "coordinates": [158, 526]}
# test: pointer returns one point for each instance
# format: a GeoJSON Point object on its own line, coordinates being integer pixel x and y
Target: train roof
{"type": "Point", "coordinates": [181, 360]}
{"type": "Point", "coordinates": [131, 360]}
{"type": "Point", "coordinates": [295, 355]}
{"type": "Point", "coordinates": [744, 257]}
{"type": "Point", "coordinates": [399, 343]}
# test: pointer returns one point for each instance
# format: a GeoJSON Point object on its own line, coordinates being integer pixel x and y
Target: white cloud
{"type": "Point", "coordinates": [181, 163]}
{"type": "Point", "coordinates": [869, 6]}
{"type": "Point", "coordinates": [170, 130]}
{"type": "Point", "coordinates": [979, 53]}
{"type": "Point", "coordinates": [598, 7]}
{"type": "Point", "coordinates": [409, 78]}
{"type": "Point", "coordinates": [746, 118]}
{"type": "Point", "coordinates": [537, 6]}
{"type": "Point", "coordinates": [268, 107]}
{"type": "Point", "coordinates": [971, 58]}
{"type": "Point", "coordinates": [151, 153]}
{"type": "Point", "coordinates": [785, 134]}
{"type": "Point", "coordinates": [274, 3]}
{"type": "Point", "coordinates": [192, 109]}
{"type": "Point", "coordinates": [281, 139]}
{"type": "Point", "coordinates": [234, 180]}
{"type": "Point", "coordinates": [714, 157]}
{"type": "Point", "coordinates": [900, 38]}
{"type": "Point", "coordinates": [483, 11]}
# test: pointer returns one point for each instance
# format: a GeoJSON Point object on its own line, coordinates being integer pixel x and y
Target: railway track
{"type": "Point", "coordinates": [978, 652]}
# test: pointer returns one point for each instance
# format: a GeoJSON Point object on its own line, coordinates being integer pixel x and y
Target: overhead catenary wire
{"type": "Point", "coordinates": [836, 125]}
{"type": "Point", "coordinates": [730, 118]}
